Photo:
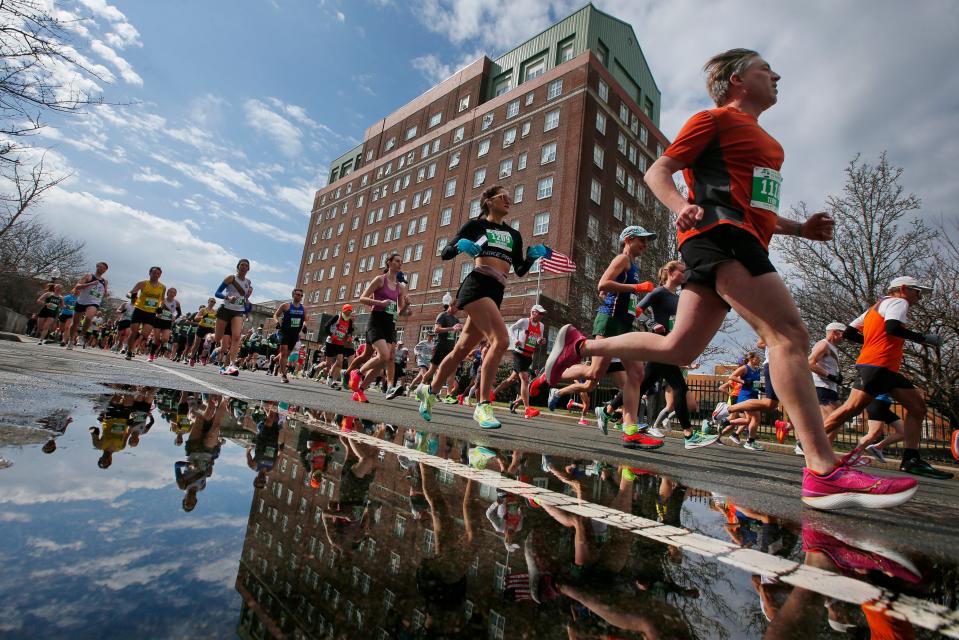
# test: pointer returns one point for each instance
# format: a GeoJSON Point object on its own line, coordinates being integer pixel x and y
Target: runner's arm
{"type": "Point", "coordinates": [219, 293]}
{"type": "Point", "coordinates": [607, 282]}
{"type": "Point", "coordinates": [737, 375]}
{"type": "Point", "coordinates": [818, 352]}
{"type": "Point", "coordinates": [280, 311]}
{"type": "Point", "coordinates": [897, 329]}
{"type": "Point", "coordinates": [367, 297]}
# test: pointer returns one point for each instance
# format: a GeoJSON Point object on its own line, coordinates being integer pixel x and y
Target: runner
{"type": "Point", "coordinates": [50, 301]}
{"type": "Point", "coordinates": [620, 286]}
{"type": "Point", "coordinates": [146, 296]}
{"type": "Point", "coordinates": [731, 166]}
{"type": "Point", "coordinates": [880, 414]}
{"type": "Point", "coordinates": [495, 247]}
{"type": "Point", "coordinates": [66, 318]}
{"type": "Point", "coordinates": [526, 335]}
{"type": "Point", "coordinates": [363, 353]}
{"type": "Point", "coordinates": [124, 318]}
{"type": "Point", "coordinates": [663, 302]}
{"type": "Point", "coordinates": [92, 290]}
{"type": "Point", "coordinates": [400, 358]}
{"type": "Point", "coordinates": [168, 311]}
{"type": "Point", "coordinates": [747, 375]}
{"type": "Point", "coordinates": [445, 327]}
{"type": "Point", "coordinates": [386, 297]}
{"type": "Point", "coordinates": [339, 332]}
{"type": "Point", "coordinates": [235, 291]}
{"type": "Point", "coordinates": [205, 320]}
{"type": "Point", "coordinates": [423, 352]}
{"type": "Point", "coordinates": [824, 364]}
{"type": "Point", "coordinates": [882, 332]}
{"type": "Point", "coordinates": [93, 331]}
{"type": "Point", "coordinates": [290, 318]}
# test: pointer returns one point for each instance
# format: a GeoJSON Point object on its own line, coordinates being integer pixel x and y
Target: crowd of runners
{"type": "Point", "coordinates": [725, 223]}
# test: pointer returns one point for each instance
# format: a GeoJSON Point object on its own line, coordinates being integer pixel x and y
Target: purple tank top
{"type": "Point", "coordinates": [385, 293]}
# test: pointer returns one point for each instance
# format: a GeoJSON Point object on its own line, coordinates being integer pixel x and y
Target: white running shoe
{"type": "Point", "coordinates": [876, 453]}
{"type": "Point", "coordinates": [656, 432]}
{"type": "Point", "coordinates": [798, 450]}
{"type": "Point", "coordinates": [735, 440]}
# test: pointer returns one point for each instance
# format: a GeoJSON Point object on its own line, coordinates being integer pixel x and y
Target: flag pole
{"type": "Point", "coordinates": [539, 279]}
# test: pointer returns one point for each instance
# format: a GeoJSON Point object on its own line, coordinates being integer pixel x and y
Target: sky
{"type": "Point", "coordinates": [221, 122]}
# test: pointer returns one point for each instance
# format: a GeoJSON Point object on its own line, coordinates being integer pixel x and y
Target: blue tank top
{"type": "Point", "coordinates": [621, 305]}
{"type": "Point", "coordinates": [293, 318]}
{"type": "Point", "coordinates": [750, 377]}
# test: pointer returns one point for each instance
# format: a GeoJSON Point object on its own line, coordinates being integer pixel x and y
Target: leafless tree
{"type": "Point", "coordinates": [22, 189]}
{"type": "Point", "coordinates": [879, 235]}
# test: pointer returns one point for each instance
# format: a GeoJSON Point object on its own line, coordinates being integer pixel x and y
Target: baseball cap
{"type": "Point", "coordinates": [635, 231]}
{"type": "Point", "coordinates": [347, 307]}
{"type": "Point", "coordinates": [907, 281]}
{"type": "Point", "coordinates": [835, 326]}
{"type": "Point", "coordinates": [539, 308]}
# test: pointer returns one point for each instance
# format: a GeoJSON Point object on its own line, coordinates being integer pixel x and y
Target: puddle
{"type": "Point", "coordinates": [161, 513]}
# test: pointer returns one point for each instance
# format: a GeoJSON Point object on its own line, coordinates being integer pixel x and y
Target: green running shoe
{"type": "Point", "coordinates": [700, 439]}
{"type": "Point", "coordinates": [483, 414]}
{"type": "Point", "coordinates": [427, 400]}
{"type": "Point", "coordinates": [479, 457]}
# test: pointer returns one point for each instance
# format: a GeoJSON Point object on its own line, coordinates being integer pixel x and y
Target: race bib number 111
{"type": "Point", "coordinates": [766, 185]}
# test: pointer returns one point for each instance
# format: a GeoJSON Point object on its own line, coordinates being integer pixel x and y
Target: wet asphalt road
{"type": "Point", "coordinates": [36, 380]}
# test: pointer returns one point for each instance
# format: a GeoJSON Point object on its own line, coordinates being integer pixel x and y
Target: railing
{"type": "Point", "coordinates": [934, 445]}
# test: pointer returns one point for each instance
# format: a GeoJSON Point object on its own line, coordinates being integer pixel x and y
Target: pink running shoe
{"type": "Point", "coordinates": [563, 355]}
{"type": "Point", "coordinates": [355, 380]}
{"type": "Point", "coordinates": [848, 487]}
{"type": "Point", "coordinates": [854, 561]}
{"type": "Point", "coordinates": [583, 421]}
{"type": "Point", "coordinates": [537, 384]}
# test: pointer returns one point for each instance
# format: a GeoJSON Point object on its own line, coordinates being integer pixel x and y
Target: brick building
{"type": "Point", "coordinates": [567, 122]}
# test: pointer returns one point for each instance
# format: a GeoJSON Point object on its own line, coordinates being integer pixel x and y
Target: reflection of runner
{"type": "Point", "coordinates": [202, 449]}
{"type": "Point", "coordinates": [116, 430]}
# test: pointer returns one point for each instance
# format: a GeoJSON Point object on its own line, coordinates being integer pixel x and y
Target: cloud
{"type": "Point", "coordinates": [147, 175]}
{"type": "Point", "coordinates": [287, 136]}
{"type": "Point", "coordinates": [267, 229]}
{"type": "Point", "coordinates": [364, 83]}
{"type": "Point", "coordinates": [436, 71]}
{"type": "Point", "coordinates": [44, 544]}
{"type": "Point", "coordinates": [340, 16]}
{"type": "Point", "coordinates": [126, 70]}
{"type": "Point", "coordinates": [492, 23]}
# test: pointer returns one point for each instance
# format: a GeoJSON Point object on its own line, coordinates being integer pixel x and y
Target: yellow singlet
{"type": "Point", "coordinates": [149, 297]}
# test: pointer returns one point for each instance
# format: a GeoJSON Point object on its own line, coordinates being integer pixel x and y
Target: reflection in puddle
{"type": "Point", "coordinates": [355, 528]}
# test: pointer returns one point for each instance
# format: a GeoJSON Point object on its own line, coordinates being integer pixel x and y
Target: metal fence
{"type": "Point", "coordinates": [936, 429]}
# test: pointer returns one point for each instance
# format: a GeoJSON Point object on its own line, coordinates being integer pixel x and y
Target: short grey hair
{"type": "Point", "coordinates": [721, 67]}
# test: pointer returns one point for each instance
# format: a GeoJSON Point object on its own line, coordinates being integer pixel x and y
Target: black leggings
{"type": "Point", "coordinates": [673, 376]}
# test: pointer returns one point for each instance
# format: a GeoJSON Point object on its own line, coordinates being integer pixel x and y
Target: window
{"type": "Point", "coordinates": [620, 175]}
{"type": "Point", "coordinates": [565, 52]}
{"type": "Point", "coordinates": [633, 123]}
{"type": "Point", "coordinates": [549, 153]}
{"type": "Point", "coordinates": [394, 564]}
{"type": "Point", "coordinates": [459, 133]}
{"type": "Point", "coordinates": [389, 145]}
{"type": "Point", "coordinates": [624, 113]}
{"type": "Point", "coordinates": [465, 269]}
{"type": "Point", "coordinates": [643, 135]}
{"type": "Point", "coordinates": [464, 104]}
{"type": "Point", "coordinates": [427, 196]}
{"type": "Point", "coordinates": [411, 132]}
{"type": "Point", "coordinates": [435, 119]}
{"type": "Point", "coordinates": [431, 170]}
{"type": "Point", "coordinates": [416, 202]}
{"type": "Point", "coordinates": [600, 122]}
{"type": "Point", "coordinates": [603, 91]}
{"type": "Point", "coordinates": [592, 226]}
{"type": "Point", "coordinates": [541, 223]}
{"type": "Point", "coordinates": [436, 145]}
{"type": "Point", "coordinates": [529, 98]}
{"type": "Point", "coordinates": [437, 278]}
{"type": "Point", "coordinates": [351, 245]}
{"type": "Point", "coordinates": [388, 234]}
{"type": "Point", "coordinates": [487, 120]}
{"type": "Point", "coordinates": [346, 268]}
{"type": "Point", "coordinates": [506, 168]}
{"type": "Point", "coordinates": [450, 188]}
{"type": "Point", "coordinates": [454, 159]}
{"type": "Point", "coordinates": [418, 251]}
{"type": "Point", "coordinates": [632, 154]}
{"type": "Point", "coordinates": [544, 188]}
{"type": "Point", "coordinates": [525, 130]}
{"type": "Point", "coordinates": [423, 222]}
{"type": "Point", "coordinates": [621, 143]}
{"type": "Point", "coordinates": [446, 216]}
{"type": "Point", "coordinates": [357, 289]}
{"type": "Point", "coordinates": [598, 156]}
{"type": "Point", "coordinates": [617, 208]}
{"type": "Point", "coordinates": [414, 280]}
{"type": "Point", "coordinates": [412, 228]}
{"type": "Point", "coordinates": [552, 120]}
{"type": "Point", "coordinates": [327, 294]}
{"type": "Point", "coordinates": [440, 245]}
{"type": "Point", "coordinates": [518, 194]}
{"type": "Point", "coordinates": [521, 161]}
{"type": "Point", "coordinates": [595, 191]}
{"type": "Point", "coordinates": [502, 86]}
{"type": "Point", "coordinates": [630, 186]}
{"type": "Point", "coordinates": [397, 231]}
{"type": "Point", "coordinates": [483, 148]}
{"type": "Point", "coordinates": [535, 69]}
{"type": "Point", "coordinates": [424, 151]}
{"type": "Point", "coordinates": [339, 296]}
{"type": "Point", "coordinates": [509, 137]}
{"type": "Point", "coordinates": [479, 177]}
{"type": "Point", "coordinates": [474, 208]}
{"type": "Point", "coordinates": [643, 162]}
{"type": "Point", "coordinates": [512, 109]}
{"type": "Point", "coordinates": [555, 89]}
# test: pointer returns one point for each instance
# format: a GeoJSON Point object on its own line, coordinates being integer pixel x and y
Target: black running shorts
{"type": "Point", "coordinates": [723, 243]}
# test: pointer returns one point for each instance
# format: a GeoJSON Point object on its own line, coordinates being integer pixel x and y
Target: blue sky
{"type": "Point", "coordinates": [234, 110]}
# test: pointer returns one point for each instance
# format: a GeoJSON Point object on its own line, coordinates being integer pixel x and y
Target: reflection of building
{"type": "Point", "coordinates": [294, 584]}
{"type": "Point", "coordinates": [567, 121]}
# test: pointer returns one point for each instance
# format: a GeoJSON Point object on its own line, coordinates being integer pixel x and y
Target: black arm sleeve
{"type": "Point", "coordinates": [472, 230]}
{"type": "Point", "coordinates": [521, 264]}
{"type": "Point", "coordinates": [852, 334]}
{"type": "Point", "coordinates": [896, 328]}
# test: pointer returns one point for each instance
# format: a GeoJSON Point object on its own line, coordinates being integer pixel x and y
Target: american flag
{"type": "Point", "coordinates": [558, 263]}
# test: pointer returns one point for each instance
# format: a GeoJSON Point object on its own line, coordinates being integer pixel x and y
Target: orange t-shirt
{"type": "Point", "coordinates": [731, 170]}
{"type": "Point", "coordinates": [879, 349]}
